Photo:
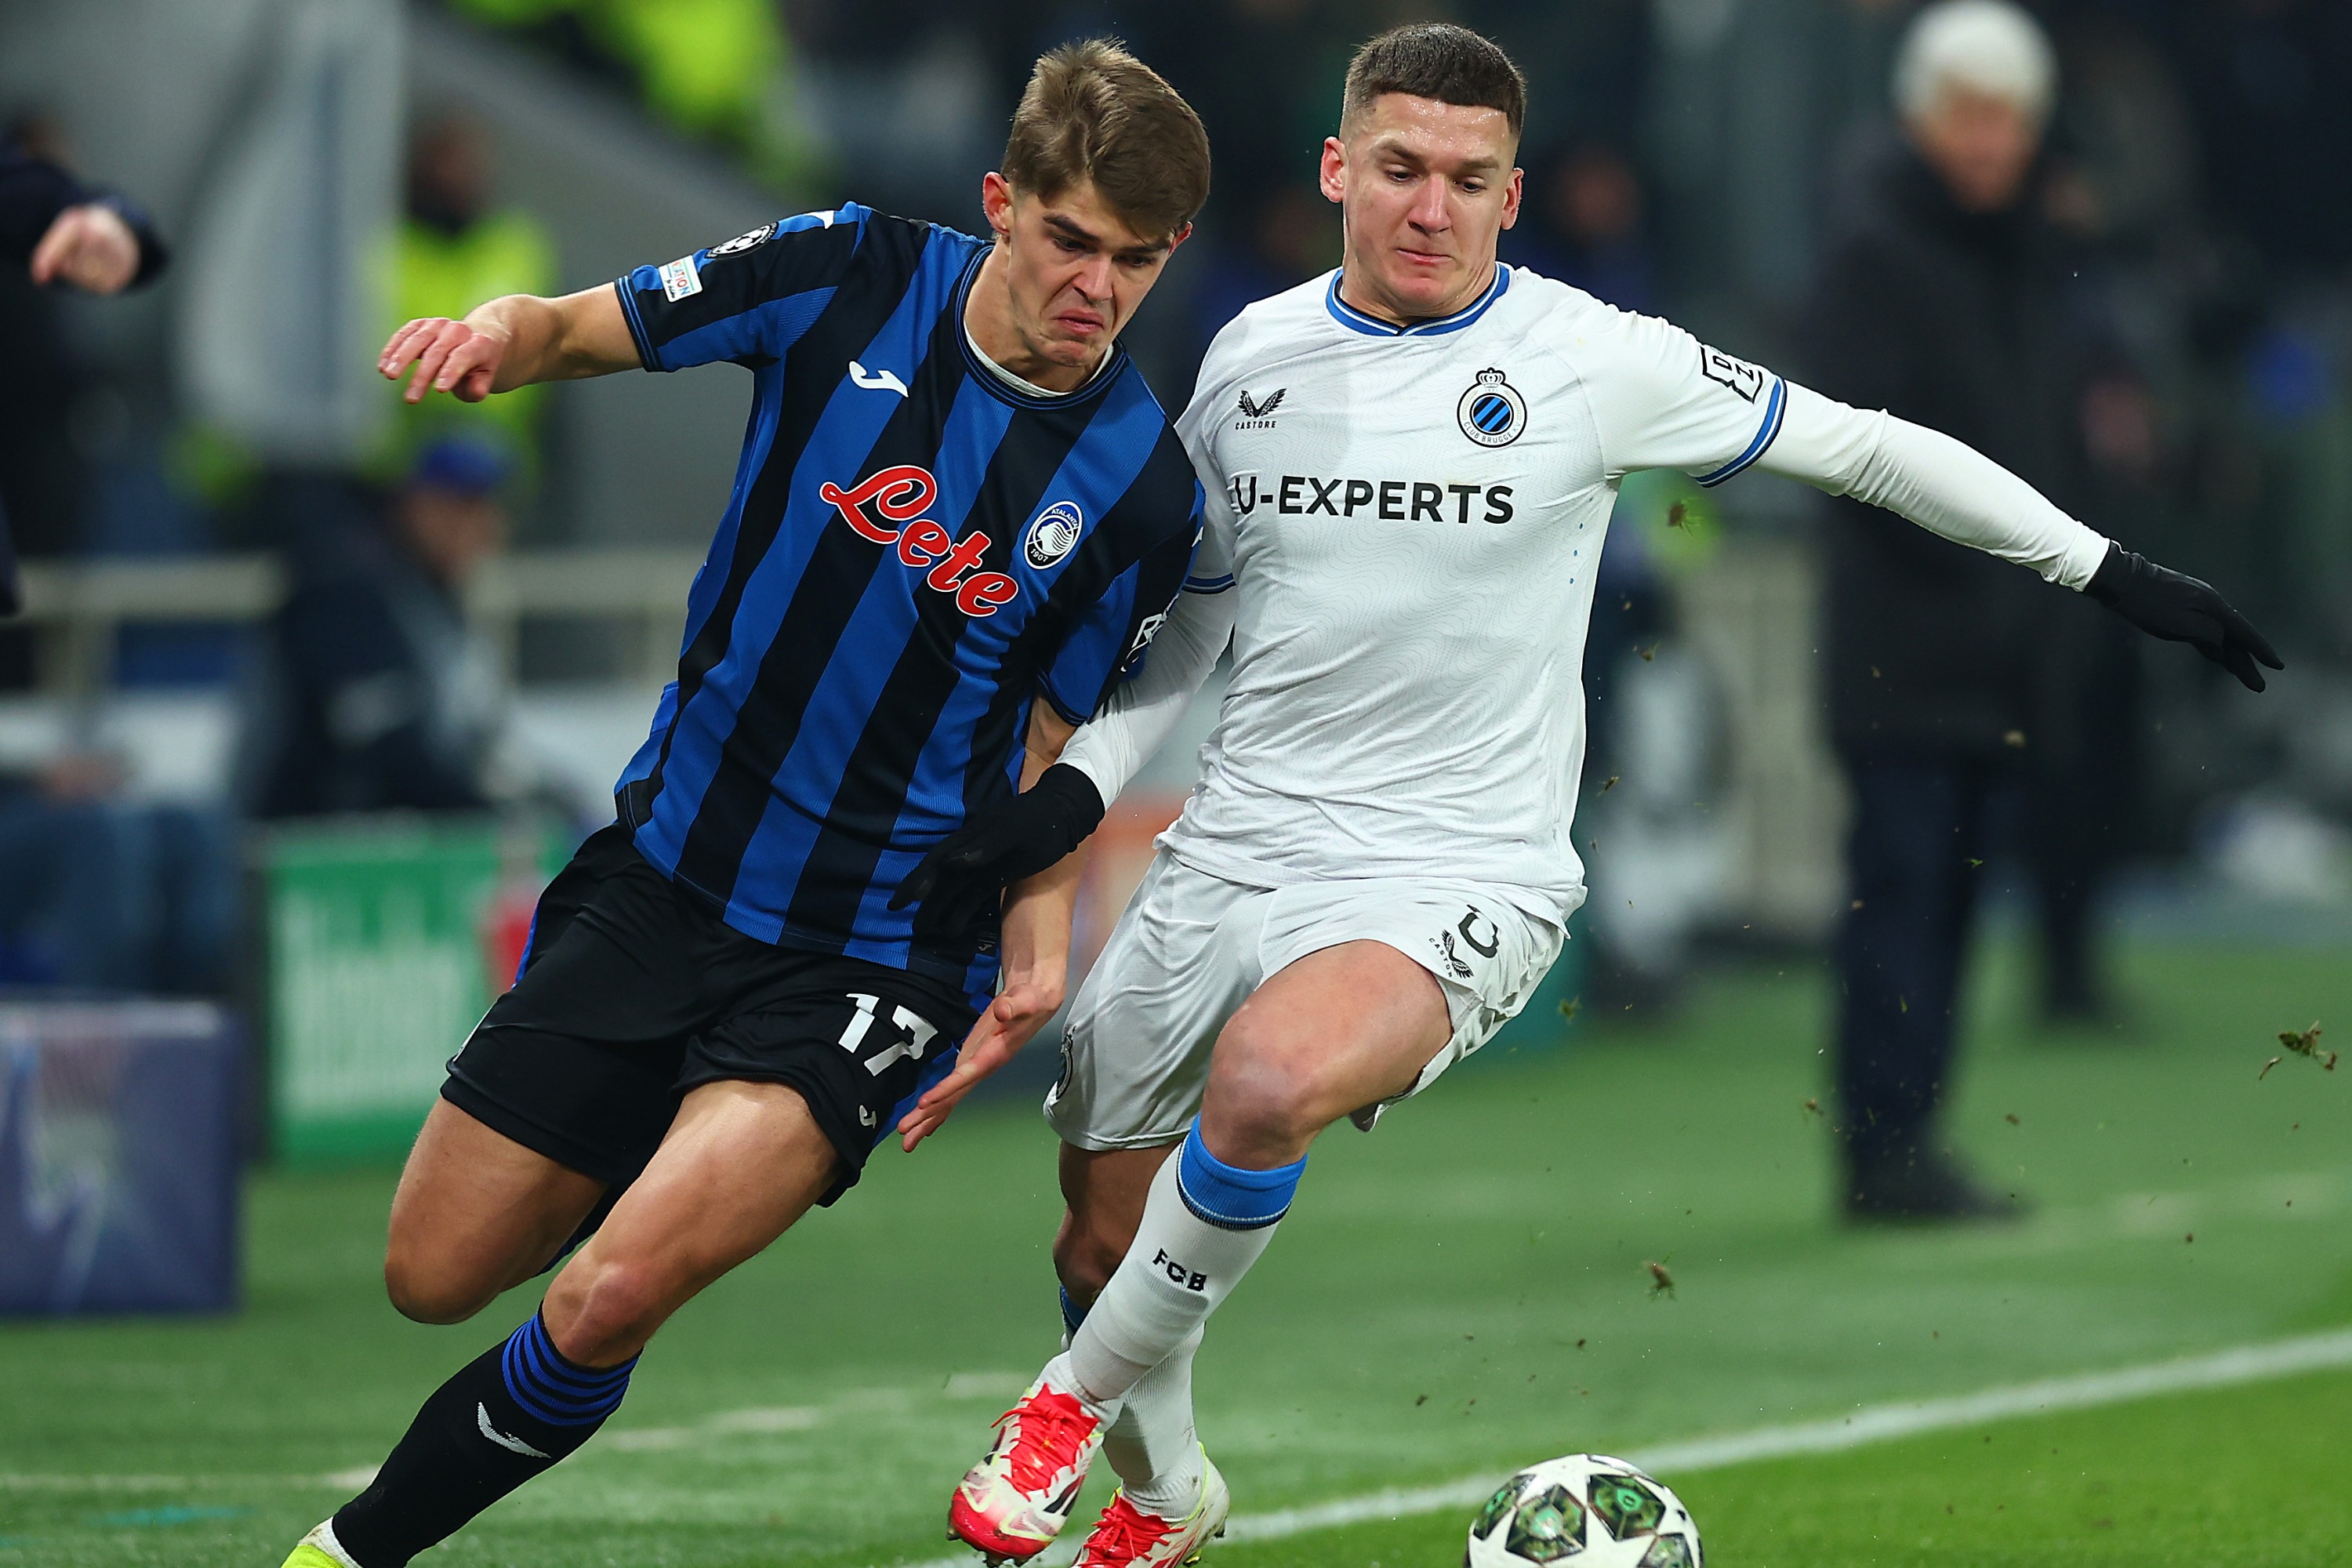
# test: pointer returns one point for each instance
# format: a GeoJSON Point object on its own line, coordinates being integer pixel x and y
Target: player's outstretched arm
{"type": "Point", "coordinates": [1036, 944]}
{"type": "Point", "coordinates": [1952, 489]}
{"type": "Point", "coordinates": [1005, 843]}
{"type": "Point", "coordinates": [513, 342]}
{"type": "Point", "coordinates": [1033, 941]}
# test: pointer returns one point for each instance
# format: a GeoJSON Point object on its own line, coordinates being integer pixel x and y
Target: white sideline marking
{"type": "Point", "coordinates": [128, 1483]}
{"type": "Point", "coordinates": [770, 1418]}
{"type": "Point", "coordinates": [1867, 1425]}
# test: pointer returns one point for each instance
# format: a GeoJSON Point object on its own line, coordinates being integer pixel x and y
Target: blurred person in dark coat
{"type": "Point", "coordinates": [1589, 227]}
{"type": "Point", "coordinates": [102, 892]}
{"type": "Point", "coordinates": [1951, 687]}
{"type": "Point", "coordinates": [59, 233]}
{"type": "Point", "coordinates": [386, 700]}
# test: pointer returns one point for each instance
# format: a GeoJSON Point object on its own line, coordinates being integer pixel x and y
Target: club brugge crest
{"type": "Point", "coordinates": [1053, 535]}
{"type": "Point", "coordinates": [1492, 413]}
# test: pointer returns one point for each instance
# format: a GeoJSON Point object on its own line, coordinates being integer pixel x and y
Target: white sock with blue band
{"type": "Point", "coordinates": [1151, 1444]}
{"type": "Point", "coordinates": [1204, 1224]}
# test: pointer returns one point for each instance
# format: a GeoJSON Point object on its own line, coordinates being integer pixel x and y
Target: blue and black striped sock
{"type": "Point", "coordinates": [511, 1413]}
{"type": "Point", "coordinates": [567, 1400]}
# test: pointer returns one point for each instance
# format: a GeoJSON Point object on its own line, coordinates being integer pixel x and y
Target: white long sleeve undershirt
{"type": "Point", "coordinates": [1142, 713]}
{"type": "Point", "coordinates": [1940, 484]}
{"type": "Point", "coordinates": [1943, 485]}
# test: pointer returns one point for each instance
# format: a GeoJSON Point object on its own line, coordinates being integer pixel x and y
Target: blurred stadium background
{"type": "Point", "coordinates": [309, 691]}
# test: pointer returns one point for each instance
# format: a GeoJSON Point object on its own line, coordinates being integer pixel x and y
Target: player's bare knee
{"type": "Point", "coordinates": [1259, 1132]}
{"type": "Point", "coordinates": [604, 1308]}
{"type": "Point", "coordinates": [1263, 1095]}
{"type": "Point", "coordinates": [428, 1291]}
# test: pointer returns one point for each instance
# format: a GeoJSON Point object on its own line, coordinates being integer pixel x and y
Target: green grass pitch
{"type": "Point", "coordinates": [1462, 1292]}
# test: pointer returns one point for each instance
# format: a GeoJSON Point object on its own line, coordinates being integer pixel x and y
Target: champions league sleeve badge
{"type": "Point", "coordinates": [743, 242]}
{"type": "Point", "coordinates": [1492, 413]}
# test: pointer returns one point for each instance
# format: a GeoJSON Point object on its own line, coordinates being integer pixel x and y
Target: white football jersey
{"type": "Point", "coordinates": [1411, 520]}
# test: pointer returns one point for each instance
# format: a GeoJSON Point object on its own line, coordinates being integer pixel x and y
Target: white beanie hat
{"type": "Point", "coordinates": [1990, 46]}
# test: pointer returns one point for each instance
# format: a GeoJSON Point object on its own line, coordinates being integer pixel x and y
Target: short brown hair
{"type": "Point", "coordinates": [1439, 61]}
{"type": "Point", "coordinates": [1093, 111]}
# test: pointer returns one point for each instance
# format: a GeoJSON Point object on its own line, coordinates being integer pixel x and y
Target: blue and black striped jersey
{"type": "Point", "coordinates": [914, 551]}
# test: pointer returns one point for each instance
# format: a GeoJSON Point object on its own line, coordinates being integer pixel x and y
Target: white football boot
{"type": "Point", "coordinates": [1010, 1505]}
{"type": "Point", "coordinates": [1128, 1537]}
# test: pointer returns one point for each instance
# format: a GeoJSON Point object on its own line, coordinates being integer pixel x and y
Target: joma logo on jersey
{"type": "Point", "coordinates": [899, 497]}
{"type": "Point", "coordinates": [1389, 501]}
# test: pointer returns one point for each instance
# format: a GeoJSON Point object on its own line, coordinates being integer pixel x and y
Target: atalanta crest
{"type": "Point", "coordinates": [1053, 535]}
{"type": "Point", "coordinates": [1492, 413]}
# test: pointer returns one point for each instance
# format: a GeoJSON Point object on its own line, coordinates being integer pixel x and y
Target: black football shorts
{"type": "Point", "coordinates": [634, 991]}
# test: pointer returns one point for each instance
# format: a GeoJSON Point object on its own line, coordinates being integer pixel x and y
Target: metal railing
{"type": "Point", "coordinates": [1750, 613]}
{"type": "Point", "coordinates": [77, 608]}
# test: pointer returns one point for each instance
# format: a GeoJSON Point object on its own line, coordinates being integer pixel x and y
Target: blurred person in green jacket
{"type": "Point", "coordinates": [719, 69]}
{"type": "Point", "coordinates": [455, 249]}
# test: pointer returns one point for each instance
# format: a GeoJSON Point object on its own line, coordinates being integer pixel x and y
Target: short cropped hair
{"type": "Point", "coordinates": [1093, 111]}
{"type": "Point", "coordinates": [1439, 62]}
{"type": "Point", "coordinates": [1990, 46]}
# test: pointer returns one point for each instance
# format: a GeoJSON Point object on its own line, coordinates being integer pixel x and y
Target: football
{"type": "Point", "coordinates": [1586, 1511]}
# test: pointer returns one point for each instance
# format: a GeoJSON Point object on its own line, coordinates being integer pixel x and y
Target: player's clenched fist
{"type": "Point", "coordinates": [449, 356]}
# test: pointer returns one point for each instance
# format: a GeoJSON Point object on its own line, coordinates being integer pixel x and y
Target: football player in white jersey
{"type": "Point", "coordinates": [1411, 463]}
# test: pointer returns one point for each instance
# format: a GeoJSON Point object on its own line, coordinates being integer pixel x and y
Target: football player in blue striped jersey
{"type": "Point", "coordinates": [958, 517]}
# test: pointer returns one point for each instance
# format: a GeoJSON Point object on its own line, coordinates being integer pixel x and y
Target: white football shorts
{"type": "Point", "coordinates": [1192, 947]}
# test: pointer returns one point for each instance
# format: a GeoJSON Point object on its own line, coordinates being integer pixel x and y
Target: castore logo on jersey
{"type": "Point", "coordinates": [900, 495]}
{"type": "Point", "coordinates": [1258, 413]}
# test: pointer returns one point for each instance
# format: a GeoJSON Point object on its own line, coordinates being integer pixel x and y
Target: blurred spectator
{"type": "Point", "coordinates": [109, 894]}
{"type": "Point", "coordinates": [703, 65]}
{"type": "Point", "coordinates": [386, 700]}
{"type": "Point", "coordinates": [2266, 82]}
{"type": "Point", "coordinates": [719, 69]}
{"type": "Point", "coordinates": [58, 232]}
{"type": "Point", "coordinates": [1264, 74]}
{"type": "Point", "coordinates": [102, 893]}
{"type": "Point", "coordinates": [1284, 240]}
{"type": "Point", "coordinates": [1956, 682]}
{"type": "Point", "coordinates": [455, 251]}
{"type": "Point", "coordinates": [1582, 225]}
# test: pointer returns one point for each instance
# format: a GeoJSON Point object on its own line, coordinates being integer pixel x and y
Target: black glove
{"type": "Point", "coordinates": [966, 872]}
{"type": "Point", "coordinates": [2164, 604]}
